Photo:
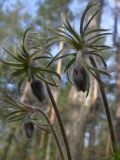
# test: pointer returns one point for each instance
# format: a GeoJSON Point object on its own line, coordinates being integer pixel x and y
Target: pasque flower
{"type": "Point", "coordinates": [24, 62]}
{"type": "Point", "coordinates": [29, 129]}
{"type": "Point", "coordinates": [38, 89]}
{"type": "Point", "coordinates": [87, 43]}
{"type": "Point", "coordinates": [80, 78]}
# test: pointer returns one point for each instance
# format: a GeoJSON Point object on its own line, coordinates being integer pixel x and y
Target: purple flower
{"type": "Point", "coordinates": [29, 129]}
{"type": "Point", "coordinates": [80, 78]}
{"type": "Point", "coordinates": [38, 90]}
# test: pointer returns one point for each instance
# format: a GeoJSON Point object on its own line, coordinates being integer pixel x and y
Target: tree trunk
{"type": "Point", "coordinates": [77, 116]}
{"type": "Point", "coordinates": [92, 123]}
{"type": "Point", "coordinates": [117, 44]}
{"type": "Point", "coordinates": [118, 97]}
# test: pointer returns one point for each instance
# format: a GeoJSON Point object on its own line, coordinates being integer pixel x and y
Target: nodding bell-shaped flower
{"type": "Point", "coordinates": [38, 89]}
{"type": "Point", "coordinates": [80, 78]}
{"type": "Point", "coordinates": [29, 129]}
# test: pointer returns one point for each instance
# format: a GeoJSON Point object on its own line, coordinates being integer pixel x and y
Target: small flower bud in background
{"type": "Point", "coordinates": [38, 90]}
{"type": "Point", "coordinates": [80, 78]}
{"type": "Point", "coordinates": [29, 129]}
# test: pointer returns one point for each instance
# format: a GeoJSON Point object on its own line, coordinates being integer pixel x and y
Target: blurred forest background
{"type": "Point", "coordinates": [84, 119]}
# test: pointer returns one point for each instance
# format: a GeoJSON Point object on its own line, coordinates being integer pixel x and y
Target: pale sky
{"type": "Point", "coordinates": [76, 6]}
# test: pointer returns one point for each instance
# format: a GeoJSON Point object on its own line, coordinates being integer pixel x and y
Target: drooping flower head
{"type": "Point", "coordinates": [80, 78]}
{"type": "Point", "coordinates": [29, 129]}
{"type": "Point", "coordinates": [38, 89]}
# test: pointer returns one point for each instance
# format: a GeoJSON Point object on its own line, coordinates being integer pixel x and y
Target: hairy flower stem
{"type": "Point", "coordinates": [109, 117]}
{"type": "Point", "coordinates": [53, 131]}
{"type": "Point", "coordinates": [60, 122]}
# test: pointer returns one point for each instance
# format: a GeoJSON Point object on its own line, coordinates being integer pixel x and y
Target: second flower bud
{"type": "Point", "coordinates": [39, 90]}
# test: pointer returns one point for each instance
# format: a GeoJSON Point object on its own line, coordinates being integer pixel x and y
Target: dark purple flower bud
{"type": "Point", "coordinates": [80, 78]}
{"type": "Point", "coordinates": [38, 90]}
{"type": "Point", "coordinates": [29, 129]}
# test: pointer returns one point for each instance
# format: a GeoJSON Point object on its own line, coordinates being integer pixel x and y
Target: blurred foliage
{"type": "Point", "coordinates": [12, 20]}
{"type": "Point", "coordinates": [49, 13]}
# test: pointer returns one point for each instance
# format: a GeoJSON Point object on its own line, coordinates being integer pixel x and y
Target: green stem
{"type": "Point", "coordinates": [60, 122]}
{"type": "Point", "coordinates": [54, 132]}
{"type": "Point", "coordinates": [109, 116]}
